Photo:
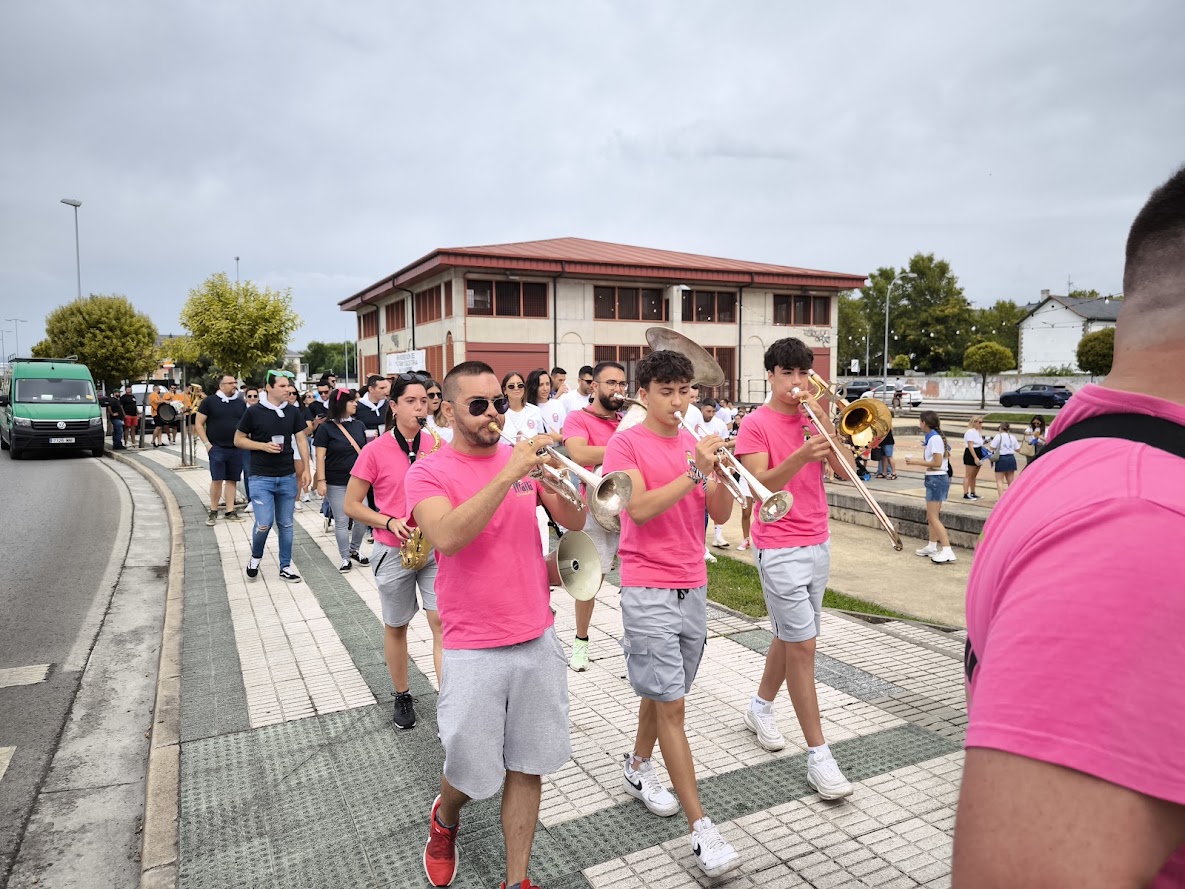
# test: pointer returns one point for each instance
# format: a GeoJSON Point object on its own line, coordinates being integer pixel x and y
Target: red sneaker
{"type": "Point", "coordinates": [440, 855]}
{"type": "Point", "coordinates": [525, 884]}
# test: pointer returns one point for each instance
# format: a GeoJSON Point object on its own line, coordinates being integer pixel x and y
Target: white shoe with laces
{"type": "Point", "coordinates": [712, 853]}
{"type": "Point", "coordinates": [928, 550]}
{"type": "Point", "coordinates": [823, 774]}
{"type": "Point", "coordinates": [763, 724]}
{"type": "Point", "coordinates": [944, 555]}
{"type": "Point", "coordinates": [642, 783]}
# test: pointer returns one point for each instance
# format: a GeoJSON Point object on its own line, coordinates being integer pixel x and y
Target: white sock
{"type": "Point", "coordinates": [700, 825]}
{"type": "Point", "coordinates": [821, 751]}
{"type": "Point", "coordinates": [759, 705]}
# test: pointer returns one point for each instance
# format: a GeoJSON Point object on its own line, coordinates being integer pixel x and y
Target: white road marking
{"type": "Point", "coordinates": [24, 675]}
{"type": "Point", "coordinates": [5, 758]}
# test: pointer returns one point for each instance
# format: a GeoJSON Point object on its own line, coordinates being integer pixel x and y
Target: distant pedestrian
{"type": "Point", "coordinates": [436, 418]}
{"type": "Point", "coordinates": [218, 418]}
{"type": "Point", "coordinates": [269, 428]}
{"type": "Point", "coordinates": [116, 415]}
{"type": "Point", "coordinates": [1036, 436]}
{"type": "Point", "coordinates": [250, 396]}
{"type": "Point", "coordinates": [1003, 445]}
{"type": "Point", "coordinates": [886, 466]}
{"type": "Point", "coordinates": [937, 463]}
{"type": "Point", "coordinates": [338, 442]}
{"type": "Point", "coordinates": [158, 397]}
{"type": "Point", "coordinates": [559, 384]}
{"type": "Point", "coordinates": [131, 411]}
{"type": "Point", "coordinates": [974, 453]}
{"type": "Point", "coordinates": [539, 393]}
{"type": "Point", "coordinates": [372, 406]}
{"type": "Point", "coordinates": [523, 419]}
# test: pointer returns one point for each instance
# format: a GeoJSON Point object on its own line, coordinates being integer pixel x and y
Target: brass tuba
{"type": "Point", "coordinates": [415, 551]}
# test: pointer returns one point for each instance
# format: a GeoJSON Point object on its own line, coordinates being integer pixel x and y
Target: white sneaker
{"type": "Point", "coordinates": [579, 661]}
{"type": "Point", "coordinates": [946, 555]}
{"type": "Point", "coordinates": [713, 855]}
{"type": "Point", "coordinates": [305, 498]}
{"type": "Point", "coordinates": [708, 557]}
{"type": "Point", "coordinates": [298, 505]}
{"type": "Point", "coordinates": [928, 550]}
{"type": "Point", "coordinates": [250, 507]}
{"type": "Point", "coordinates": [642, 783]}
{"type": "Point", "coordinates": [743, 545]}
{"type": "Point", "coordinates": [765, 726]}
{"type": "Point", "coordinates": [823, 774]}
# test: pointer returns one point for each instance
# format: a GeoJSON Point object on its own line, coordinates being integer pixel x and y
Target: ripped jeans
{"type": "Point", "coordinates": [273, 499]}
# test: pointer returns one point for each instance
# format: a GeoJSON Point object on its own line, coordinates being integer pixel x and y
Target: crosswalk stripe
{"type": "Point", "coordinates": [5, 758]}
{"type": "Point", "coordinates": [24, 675]}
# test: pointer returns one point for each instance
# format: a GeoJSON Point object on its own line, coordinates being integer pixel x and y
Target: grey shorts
{"type": "Point", "coordinates": [663, 639]}
{"type": "Point", "coordinates": [605, 543]}
{"type": "Point", "coordinates": [397, 585]}
{"type": "Point", "coordinates": [793, 580]}
{"type": "Point", "coordinates": [504, 710]}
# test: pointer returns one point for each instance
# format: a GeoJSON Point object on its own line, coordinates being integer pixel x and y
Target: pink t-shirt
{"type": "Point", "coordinates": [596, 431]}
{"type": "Point", "coordinates": [1075, 610]}
{"type": "Point", "coordinates": [384, 465]}
{"type": "Point", "coordinates": [494, 592]}
{"type": "Point", "coordinates": [780, 435]}
{"type": "Point", "coordinates": [668, 551]}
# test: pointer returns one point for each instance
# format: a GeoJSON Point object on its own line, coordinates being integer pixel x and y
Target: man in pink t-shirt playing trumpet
{"type": "Point", "coordinates": [776, 444]}
{"type": "Point", "coordinates": [503, 707]}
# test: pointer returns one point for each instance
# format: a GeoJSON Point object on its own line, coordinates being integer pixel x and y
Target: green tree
{"type": "Point", "coordinates": [1096, 351]}
{"type": "Point", "coordinates": [986, 359]}
{"type": "Point", "coordinates": [106, 333]}
{"type": "Point", "coordinates": [239, 325]}
{"type": "Point", "coordinates": [999, 323]}
{"type": "Point", "coordinates": [900, 362]}
{"type": "Point", "coordinates": [322, 357]}
{"type": "Point", "coordinates": [851, 333]}
{"type": "Point", "coordinates": [929, 317]}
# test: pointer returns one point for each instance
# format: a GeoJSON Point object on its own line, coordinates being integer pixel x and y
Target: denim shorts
{"type": "Point", "coordinates": [887, 450]}
{"type": "Point", "coordinates": [937, 487]}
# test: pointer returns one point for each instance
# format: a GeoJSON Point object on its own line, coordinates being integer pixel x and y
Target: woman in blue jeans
{"type": "Point", "coordinates": [937, 463]}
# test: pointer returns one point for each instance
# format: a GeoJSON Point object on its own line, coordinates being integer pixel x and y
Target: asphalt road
{"type": "Point", "coordinates": [61, 514]}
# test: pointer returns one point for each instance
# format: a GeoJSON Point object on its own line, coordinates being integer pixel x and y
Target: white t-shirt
{"type": "Point", "coordinates": [973, 439]}
{"type": "Point", "coordinates": [695, 417]}
{"type": "Point", "coordinates": [935, 446]}
{"type": "Point", "coordinates": [1006, 442]}
{"type": "Point", "coordinates": [717, 426]}
{"type": "Point", "coordinates": [553, 415]}
{"type": "Point", "coordinates": [573, 401]}
{"type": "Point", "coordinates": [724, 415]}
{"type": "Point", "coordinates": [527, 422]}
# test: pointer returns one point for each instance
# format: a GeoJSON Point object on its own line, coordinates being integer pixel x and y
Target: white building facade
{"type": "Point", "coordinates": [572, 302]}
{"type": "Point", "coordinates": [1050, 333]}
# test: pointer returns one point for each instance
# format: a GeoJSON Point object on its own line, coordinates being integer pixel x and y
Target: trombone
{"type": "Point", "coordinates": [606, 496]}
{"type": "Point", "coordinates": [860, 423]}
{"type": "Point", "coordinates": [773, 506]}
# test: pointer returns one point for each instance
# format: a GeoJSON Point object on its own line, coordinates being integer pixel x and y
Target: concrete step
{"type": "Point", "coordinates": [963, 521]}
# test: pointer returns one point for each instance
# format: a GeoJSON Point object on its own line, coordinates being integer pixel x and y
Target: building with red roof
{"type": "Point", "coordinates": [572, 301]}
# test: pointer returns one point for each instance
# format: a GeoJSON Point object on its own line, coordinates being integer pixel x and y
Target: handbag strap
{"type": "Point", "coordinates": [347, 436]}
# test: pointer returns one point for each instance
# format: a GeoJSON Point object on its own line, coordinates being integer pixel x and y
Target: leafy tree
{"type": "Point", "coordinates": [986, 359]}
{"type": "Point", "coordinates": [852, 330]}
{"type": "Point", "coordinates": [239, 325]}
{"type": "Point", "coordinates": [106, 333]}
{"type": "Point", "coordinates": [1096, 351]}
{"type": "Point", "coordinates": [999, 323]}
{"type": "Point", "coordinates": [1085, 294]}
{"type": "Point", "coordinates": [322, 357]}
{"type": "Point", "coordinates": [900, 362]}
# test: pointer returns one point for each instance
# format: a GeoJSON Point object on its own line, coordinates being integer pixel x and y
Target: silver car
{"type": "Point", "coordinates": [911, 396]}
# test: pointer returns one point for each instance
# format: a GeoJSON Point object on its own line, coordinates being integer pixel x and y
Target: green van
{"type": "Point", "coordinates": [49, 404]}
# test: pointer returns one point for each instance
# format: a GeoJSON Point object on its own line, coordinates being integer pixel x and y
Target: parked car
{"type": "Point", "coordinates": [1037, 395]}
{"type": "Point", "coordinates": [49, 404]}
{"type": "Point", "coordinates": [911, 396]}
{"type": "Point", "coordinates": [856, 388]}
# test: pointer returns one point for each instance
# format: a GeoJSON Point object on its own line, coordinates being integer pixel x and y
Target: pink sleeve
{"type": "Point", "coordinates": [619, 454]}
{"type": "Point", "coordinates": [751, 437]}
{"type": "Point", "coordinates": [574, 426]}
{"type": "Point", "coordinates": [1083, 663]}
{"type": "Point", "coordinates": [419, 485]}
{"type": "Point", "coordinates": [364, 466]}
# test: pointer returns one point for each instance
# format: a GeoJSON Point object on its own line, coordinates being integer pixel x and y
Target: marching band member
{"type": "Point", "coordinates": [381, 468]}
{"type": "Point", "coordinates": [793, 554]}
{"type": "Point", "coordinates": [586, 432]}
{"type": "Point", "coordinates": [664, 590]}
{"type": "Point", "coordinates": [503, 716]}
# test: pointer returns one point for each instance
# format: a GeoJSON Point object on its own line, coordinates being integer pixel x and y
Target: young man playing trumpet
{"type": "Point", "coordinates": [664, 589]}
{"type": "Point", "coordinates": [503, 714]}
{"type": "Point", "coordinates": [586, 432]}
{"type": "Point", "coordinates": [776, 444]}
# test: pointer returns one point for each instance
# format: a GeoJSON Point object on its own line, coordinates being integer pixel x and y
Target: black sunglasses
{"type": "Point", "coordinates": [479, 406]}
{"type": "Point", "coordinates": [416, 377]}
{"type": "Point", "coordinates": [434, 395]}
{"type": "Point", "coordinates": [516, 385]}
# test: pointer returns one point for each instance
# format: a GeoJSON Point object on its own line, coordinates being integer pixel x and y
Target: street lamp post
{"type": "Point", "coordinates": [77, 255]}
{"type": "Point", "coordinates": [236, 270]}
{"type": "Point", "coordinates": [16, 331]}
{"type": "Point", "coordinates": [888, 294]}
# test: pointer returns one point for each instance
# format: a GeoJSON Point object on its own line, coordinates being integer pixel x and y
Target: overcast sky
{"type": "Point", "coordinates": [328, 144]}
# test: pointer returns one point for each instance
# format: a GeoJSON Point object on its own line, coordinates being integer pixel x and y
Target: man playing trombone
{"type": "Point", "coordinates": [664, 588]}
{"type": "Point", "coordinates": [776, 444]}
{"type": "Point", "coordinates": [503, 713]}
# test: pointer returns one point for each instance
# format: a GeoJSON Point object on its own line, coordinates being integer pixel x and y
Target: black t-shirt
{"type": "Point", "coordinates": [260, 424]}
{"type": "Point", "coordinates": [339, 453]}
{"type": "Point", "coordinates": [131, 407]}
{"type": "Point", "coordinates": [317, 409]}
{"type": "Point", "coordinates": [222, 419]}
{"type": "Point", "coordinates": [372, 419]}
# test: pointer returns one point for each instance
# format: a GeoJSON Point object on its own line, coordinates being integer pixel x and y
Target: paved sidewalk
{"type": "Point", "coordinates": [292, 774]}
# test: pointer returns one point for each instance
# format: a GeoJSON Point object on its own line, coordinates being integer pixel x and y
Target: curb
{"type": "Point", "coordinates": [159, 848]}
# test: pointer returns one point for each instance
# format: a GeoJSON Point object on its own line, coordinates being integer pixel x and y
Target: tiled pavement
{"type": "Point", "coordinates": [293, 775]}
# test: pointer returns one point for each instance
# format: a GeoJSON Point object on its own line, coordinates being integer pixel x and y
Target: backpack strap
{"type": "Point", "coordinates": [1143, 428]}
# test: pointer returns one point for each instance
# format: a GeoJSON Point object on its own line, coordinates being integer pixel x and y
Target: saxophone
{"type": "Point", "coordinates": [415, 551]}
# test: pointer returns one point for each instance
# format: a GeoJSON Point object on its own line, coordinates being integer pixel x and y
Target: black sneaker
{"type": "Point", "coordinates": [290, 574]}
{"type": "Point", "coordinates": [358, 557]}
{"type": "Point", "coordinates": [405, 715]}
{"type": "Point", "coordinates": [253, 567]}
{"type": "Point", "coordinates": [344, 566]}
{"type": "Point", "coordinates": [211, 517]}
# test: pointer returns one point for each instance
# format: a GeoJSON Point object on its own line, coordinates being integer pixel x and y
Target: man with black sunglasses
{"type": "Point", "coordinates": [582, 397]}
{"type": "Point", "coordinates": [506, 699]}
{"type": "Point", "coordinates": [269, 428]}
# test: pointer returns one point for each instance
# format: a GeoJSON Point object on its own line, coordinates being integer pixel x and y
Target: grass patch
{"type": "Point", "coordinates": [737, 585]}
{"type": "Point", "coordinates": [1005, 417]}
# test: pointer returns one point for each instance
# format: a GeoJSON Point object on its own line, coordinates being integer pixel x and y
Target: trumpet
{"type": "Point", "coordinates": [860, 423]}
{"type": "Point", "coordinates": [773, 505]}
{"type": "Point", "coordinates": [607, 495]}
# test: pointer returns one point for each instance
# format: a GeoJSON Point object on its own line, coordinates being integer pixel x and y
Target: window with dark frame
{"type": "Point", "coordinates": [710, 306]}
{"type": "Point", "coordinates": [629, 304]}
{"type": "Point", "coordinates": [802, 310]}
{"type": "Point", "coordinates": [507, 299]}
{"type": "Point", "coordinates": [368, 324]}
{"type": "Point", "coordinates": [428, 305]}
{"type": "Point", "coordinates": [628, 356]}
{"type": "Point", "coordinates": [395, 315]}
{"type": "Point", "coordinates": [448, 299]}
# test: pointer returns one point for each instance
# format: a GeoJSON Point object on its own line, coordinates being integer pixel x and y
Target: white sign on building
{"type": "Point", "coordinates": [405, 362]}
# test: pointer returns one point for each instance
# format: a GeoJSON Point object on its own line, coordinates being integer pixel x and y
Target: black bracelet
{"type": "Point", "coordinates": [388, 525]}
